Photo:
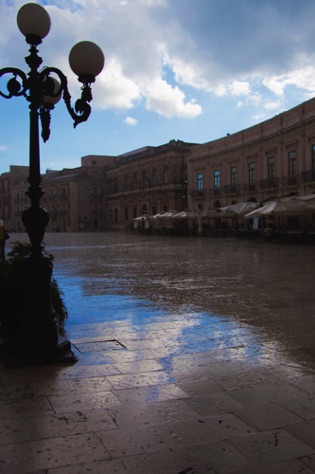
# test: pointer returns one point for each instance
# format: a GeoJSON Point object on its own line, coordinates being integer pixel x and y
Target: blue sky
{"type": "Point", "coordinates": [192, 70]}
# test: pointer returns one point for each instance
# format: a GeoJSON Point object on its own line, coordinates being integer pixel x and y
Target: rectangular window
{"type": "Point", "coordinates": [154, 177]}
{"type": "Point", "coordinates": [216, 181]}
{"type": "Point", "coordinates": [271, 167]}
{"type": "Point", "coordinates": [233, 177]}
{"type": "Point", "coordinates": [115, 185]}
{"type": "Point", "coordinates": [166, 174]}
{"type": "Point", "coordinates": [292, 167]}
{"type": "Point", "coordinates": [251, 175]}
{"type": "Point", "coordinates": [271, 163]}
{"type": "Point", "coordinates": [145, 180]}
{"type": "Point", "coordinates": [135, 181]}
{"type": "Point", "coordinates": [200, 181]}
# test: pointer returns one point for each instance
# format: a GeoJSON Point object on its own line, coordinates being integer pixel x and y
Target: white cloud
{"type": "Point", "coordinates": [170, 101]}
{"type": "Point", "coordinates": [158, 51]}
{"type": "Point", "coordinates": [114, 89]}
{"type": "Point", "coordinates": [272, 104]}
{"type": "Point", "coordinates": [239, 88]}
{"type": "Point", "coordinates": [131, 121]}
{"type": "Point", "coordinates": [302, 78]}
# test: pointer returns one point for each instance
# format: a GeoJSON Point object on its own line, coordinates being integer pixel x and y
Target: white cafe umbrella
{"type": "Point", "coordinates": [139, 218]}
{"type": "Point", "coordinates": [241, 208]}
{"type": "Point", "coordinates": [289, 207]}
{"type": "Point", "coordinates": [166, 215]}
{"type": "Point", "coordinates": [187, 215]}
{"type": "Point", "coordinates": [308, 201]}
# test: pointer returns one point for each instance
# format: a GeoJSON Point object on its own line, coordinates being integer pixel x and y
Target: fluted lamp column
{"type": "Point", "coordinates": [40, 339]}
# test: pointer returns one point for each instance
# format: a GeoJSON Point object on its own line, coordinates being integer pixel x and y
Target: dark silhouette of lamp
{"type": "Point", "coordinates": [40, 339]}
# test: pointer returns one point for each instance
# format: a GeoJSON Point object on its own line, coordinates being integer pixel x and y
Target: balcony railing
{"type": "Point", "coordinates": [198, 193]}
{"type": "Point", "coordinates": [232, 189]}
{"type": "Point", "coordinates": [216, 191]}
{"type": "Point", "coordinates": [269, 183]}
{"type": "Point", "coordinates": [290, 180]}
{"type": "Point", "coordinates": [250, 188]}
{"type": "Point", "coordinates": [308, 176]}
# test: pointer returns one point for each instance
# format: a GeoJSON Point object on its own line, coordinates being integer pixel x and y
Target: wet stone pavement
{"type": "Point", "coordinates": [196, 355]}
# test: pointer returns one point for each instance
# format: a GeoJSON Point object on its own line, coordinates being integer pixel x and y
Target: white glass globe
{"type": "Point", "coordinates": [86, 59]}
{"type": "Point", "coordinates": [49, 100]}
{"type": "Point", "coordinates": [33, 19]}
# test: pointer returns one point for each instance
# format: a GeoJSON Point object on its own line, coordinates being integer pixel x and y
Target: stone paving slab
{"type": "Point", "coordinates": [135, 402]}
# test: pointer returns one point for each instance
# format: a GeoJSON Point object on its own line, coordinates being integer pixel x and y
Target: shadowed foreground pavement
{"type": "Point", "coordinates": [131, 404]}
{"type": "Point", "coordinates": [195, 356]}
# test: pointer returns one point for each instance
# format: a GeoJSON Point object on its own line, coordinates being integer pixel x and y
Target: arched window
{"type": "Point", "coordinates": [144, 209]}
{"type": "Point", "coordinates": [166, 174]}
{"type": "Point", "coordinates": [154, 177]}
{"type": "Point", "coordinates": [116, 187]}
{"type": "Point", "coordinates": [145, 180]}
{"type": "Point", "coordinates": [127, 182]}
{"type": "Point", "coordinates": [135, 180]}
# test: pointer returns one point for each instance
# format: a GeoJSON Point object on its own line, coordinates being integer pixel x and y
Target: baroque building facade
{"type": "Point", "coordinates": [272, 159]}
{"type": "Point", "coordinates": [147, 182]}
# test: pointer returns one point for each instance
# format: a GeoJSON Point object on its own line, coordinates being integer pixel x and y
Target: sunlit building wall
{"type": "Point", "coordinates": [271, 159]}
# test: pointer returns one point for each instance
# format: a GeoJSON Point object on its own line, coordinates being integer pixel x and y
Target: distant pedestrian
{"type": "Point", "coordinates": [3, 237]}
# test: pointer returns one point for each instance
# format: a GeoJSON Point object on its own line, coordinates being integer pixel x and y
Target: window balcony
{"type": "Point", "coordinates": [308, 176]}
{"type": "Point", "coordinates": [198, 193]}
{"type": "Point", "coordinates": [269, 183]}
{"type": "Point", "coordinates": [232, 189]}
{"type": "Point", "coordinates": [217, 191]}
{"type": "Point", "coordinates": [250, 188]}
{"type": "Point", "coordinates": [290, 180]}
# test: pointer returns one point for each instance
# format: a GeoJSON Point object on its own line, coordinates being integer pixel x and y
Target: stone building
{"type": "Point", "coordinates": [13, 200]}
{"type": "Point", "coordinates": [271, 159]}
{"type": "Point", "coordinates": [146, 182]}
{"type": "Point", "coordinates": [75, 198]}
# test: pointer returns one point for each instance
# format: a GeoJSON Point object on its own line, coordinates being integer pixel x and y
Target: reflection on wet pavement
{"type": "Point", "coordinates": [254, 299]}
{"type": "Point", "coordinates": [195, 355]}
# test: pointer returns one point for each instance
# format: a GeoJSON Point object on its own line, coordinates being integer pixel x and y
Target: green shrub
{"type": "Point", "coordinates": [11, 291]}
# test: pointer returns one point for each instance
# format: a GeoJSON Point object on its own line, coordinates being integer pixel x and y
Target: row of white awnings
{"type": "Point", "coordinates": [290, 206]}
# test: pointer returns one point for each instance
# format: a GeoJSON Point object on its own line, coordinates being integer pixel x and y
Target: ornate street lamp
{"type": "Point", "coordinates": [39, 332]}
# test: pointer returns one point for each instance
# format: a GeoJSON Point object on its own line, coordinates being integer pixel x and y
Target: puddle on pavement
{"type": "Point", "coordinates": [231, 289]}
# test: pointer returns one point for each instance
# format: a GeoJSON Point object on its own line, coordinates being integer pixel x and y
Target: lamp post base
{"type": "Point", "coordinates": [13, 355]}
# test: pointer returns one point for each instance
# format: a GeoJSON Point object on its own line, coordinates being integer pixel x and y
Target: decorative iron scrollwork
{"type": "Point", "coordinates": [15, 88]}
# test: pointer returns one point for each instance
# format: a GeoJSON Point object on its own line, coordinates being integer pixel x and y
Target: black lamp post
{"type": "Point", "coordinates": [39, 332]}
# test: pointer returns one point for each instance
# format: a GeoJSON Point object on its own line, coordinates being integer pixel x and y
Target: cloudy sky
{"type": "Point", "coordinates": [192, 70]}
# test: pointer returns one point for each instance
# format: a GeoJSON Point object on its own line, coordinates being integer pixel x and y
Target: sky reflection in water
{"type": "Point", "coordinates": [254, 299]}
